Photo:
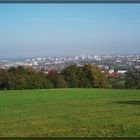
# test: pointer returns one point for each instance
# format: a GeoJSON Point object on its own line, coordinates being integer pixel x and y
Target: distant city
{"type": "Point", "coordinates": [107, 63]}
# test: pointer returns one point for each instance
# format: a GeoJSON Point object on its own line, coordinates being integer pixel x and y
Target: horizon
{"type": "Point", "coordinates": [37, 30]}
{"type": "Point", "coordinates": [32, 57]}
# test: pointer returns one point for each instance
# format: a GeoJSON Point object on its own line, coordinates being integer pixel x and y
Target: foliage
{"type": "Point", "coordinates": [57, 79]}
{"type": "Point", "coordinates": [132, 79]}
{"type": "Point", "coordinates": [60, 82]}
{"type": "Point", "coordinates": [96, 77]}
{"type": "Point", "coordinates": [87, 76]}
{"type": "Point", "coordinates": [4, 79]}
{"type": "Point", "coordinates": [118, 84]}
{"type": "Point", "coordinates": [70, 75]}
{"type": "Point", "coordinates": [26, 78]}
{"type": "Point", "coordinates": [116, 80]}
{"type": "Point", "coordinates": [84, 77]}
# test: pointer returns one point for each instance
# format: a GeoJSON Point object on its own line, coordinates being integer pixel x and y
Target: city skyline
{"type": "Point", "coordinates": [31, 30]}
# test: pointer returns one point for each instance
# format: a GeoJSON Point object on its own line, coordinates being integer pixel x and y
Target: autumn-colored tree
{"type": "Point", "coordinates": [96, 77]}
{"type": "Point", "coordinates": [57, 79]}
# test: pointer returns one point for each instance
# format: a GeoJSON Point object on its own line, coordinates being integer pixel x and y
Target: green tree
{"type": "Point", "coordinates": [83, 81]}
{"type": "Point", "coordinates": [4, 79]}
{"type": "Point", "coordinates": [70, 75]}
{"type": "Point", "coordinates": [60, 82]}
{"type": "Point", "coordinates": [132, 79]}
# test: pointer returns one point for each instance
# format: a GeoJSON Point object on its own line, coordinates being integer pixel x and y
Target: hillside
{"type": "Point", "coordinates": [70, 112]}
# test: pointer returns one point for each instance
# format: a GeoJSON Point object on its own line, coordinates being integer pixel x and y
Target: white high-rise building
{"type": "Point", "coordinates": [83, 57]}
{"type": "Point", "coordinates": [35, 63]}
{"type": "Point", "coordinates": [44, 58]}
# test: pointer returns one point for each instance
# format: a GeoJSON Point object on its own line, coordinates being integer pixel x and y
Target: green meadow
{"type": "Point", "coordinates": [70, 112]}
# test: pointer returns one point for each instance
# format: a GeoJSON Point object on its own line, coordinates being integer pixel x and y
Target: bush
{"type": "Point", "coordinates": [118, 85]}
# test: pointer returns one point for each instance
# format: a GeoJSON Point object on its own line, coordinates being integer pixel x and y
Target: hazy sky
{"type": "Point", "coordinates": [28, 30]}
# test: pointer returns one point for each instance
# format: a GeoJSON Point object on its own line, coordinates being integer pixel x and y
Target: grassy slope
{"type": "Point", "coordinates": [70, 112]}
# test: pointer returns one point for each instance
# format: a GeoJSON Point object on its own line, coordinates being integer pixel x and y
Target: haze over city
{"type": "Point", "coordinates": [29, 30]}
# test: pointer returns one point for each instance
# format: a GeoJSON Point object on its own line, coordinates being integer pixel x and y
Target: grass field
{"type": "Point", "coordinates": [70, 112]}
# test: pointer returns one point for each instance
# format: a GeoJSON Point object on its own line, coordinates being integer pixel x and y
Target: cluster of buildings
{"type": "Point", "coordinates": [110, 63]}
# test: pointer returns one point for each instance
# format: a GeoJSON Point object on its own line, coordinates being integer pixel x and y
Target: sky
{"type": "Point", "coordinates": [31, 30]}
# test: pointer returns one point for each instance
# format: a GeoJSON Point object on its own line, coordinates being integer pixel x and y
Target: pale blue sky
{"type": "Point", "coordinates": [28, 30]}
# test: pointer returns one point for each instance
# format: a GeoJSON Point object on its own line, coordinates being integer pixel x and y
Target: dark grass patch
{"type": "Point", "coordinates": [129, 102]}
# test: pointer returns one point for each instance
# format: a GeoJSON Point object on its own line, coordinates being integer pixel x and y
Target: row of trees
{"type": "Point", "coordinates": [87, 76]}
{"type": "Point", "coordinates": [23, 78]}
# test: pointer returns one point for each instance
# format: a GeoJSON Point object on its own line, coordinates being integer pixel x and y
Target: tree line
{"type": "Point", "coordinates": [87, 76]}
